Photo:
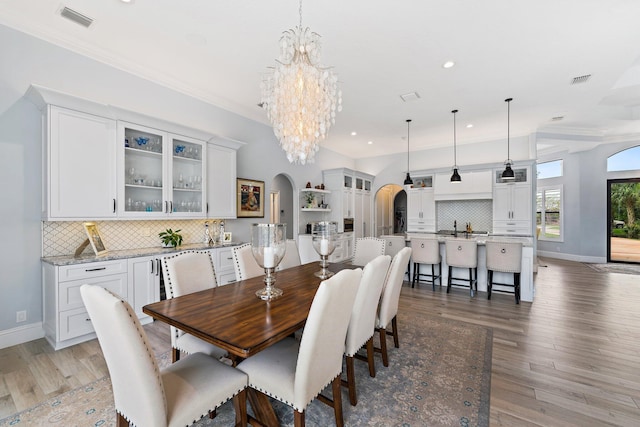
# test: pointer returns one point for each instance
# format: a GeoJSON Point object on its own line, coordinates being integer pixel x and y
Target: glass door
{"type": "Point", "coordinates": [187, 170]}
{"type": "Point", "coordinates": [143, 172]}
{"type": "Point", "coordinates": [623, 202]}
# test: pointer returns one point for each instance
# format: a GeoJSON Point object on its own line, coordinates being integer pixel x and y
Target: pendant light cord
{"type": "Point", "coordinates": [508, 101]}
{"type": "Point", "coordinates": [300, 13]}
{"type": "Point", "coordinates": [408, 122]}
{"type": "Point", "coordinates": [455, 155]}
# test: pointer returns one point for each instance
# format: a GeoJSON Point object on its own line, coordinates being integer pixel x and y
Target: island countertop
{"type": "Point", "coordinates": [480, 238]}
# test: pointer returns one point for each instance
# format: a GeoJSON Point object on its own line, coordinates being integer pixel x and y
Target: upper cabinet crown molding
{"type": "Point", "coordinates": [42, 96]}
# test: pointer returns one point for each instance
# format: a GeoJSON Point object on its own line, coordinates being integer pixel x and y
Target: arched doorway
{"type": "Point", "coordinates": [281, 202]}
{"type": "Point", "coordinates": [391, 210]}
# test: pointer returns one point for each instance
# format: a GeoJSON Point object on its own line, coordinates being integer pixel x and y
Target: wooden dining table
{"type": "Point", "coordinates": [232, 317]}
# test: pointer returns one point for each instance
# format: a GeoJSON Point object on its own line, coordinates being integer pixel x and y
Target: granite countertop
{"type": "Point", "coordinates": [480, 238]}
{"type": "Point", "coordinates": [130, 253]}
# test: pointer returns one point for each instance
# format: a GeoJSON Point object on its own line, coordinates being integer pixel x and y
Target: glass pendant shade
{"type": "Point", "coordinates": [508, 172]}
{"type": "Point", "coordinates": [301, 96]}
{"type": "Point", "coordinates": [408, 180]}
{"type": "Point", "coordinates": [455, 177]}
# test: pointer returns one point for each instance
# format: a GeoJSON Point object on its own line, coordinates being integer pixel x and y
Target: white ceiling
{"type": "Point", "coordinates": [381, 49]}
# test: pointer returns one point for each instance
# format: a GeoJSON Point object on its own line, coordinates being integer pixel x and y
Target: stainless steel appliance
{"type": "Point", "coordinates": [348, 225]}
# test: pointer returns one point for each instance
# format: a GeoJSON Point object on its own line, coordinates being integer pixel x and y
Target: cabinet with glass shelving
{"type": "Point", "coordinates": [161, 174]}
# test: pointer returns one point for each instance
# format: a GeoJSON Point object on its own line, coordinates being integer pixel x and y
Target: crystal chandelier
{"type": "Point", "coordinates": [301, 97]}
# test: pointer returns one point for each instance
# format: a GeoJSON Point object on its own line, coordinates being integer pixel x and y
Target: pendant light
{"type": "Point", "coordinates": [408, 180]}
{"type": "Point", "coordinates": [455, 177]}
{"type": "Point", "coordinates": [508, 174]}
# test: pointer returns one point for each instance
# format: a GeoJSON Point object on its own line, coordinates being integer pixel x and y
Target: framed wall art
{"type": "Point", "coordinates": [250, 202]}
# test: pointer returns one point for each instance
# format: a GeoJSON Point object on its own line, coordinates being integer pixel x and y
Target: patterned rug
{"type": "Point", "coordinates": [440, 376]}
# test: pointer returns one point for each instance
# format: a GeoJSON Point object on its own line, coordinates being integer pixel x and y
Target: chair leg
{"type": "Point", "coordinates": [121, 421]}
{"type": "Point", "coordinates": [416, 268]}
{"type": "Point", "coordinates": [394, 325]}
{"type": "Point", "coordinates": [471, 282]}
{"type": "Point", "coordinates": [516, 280]}
{"type": "Point", "coordinates": [370, 359]}
{"type": "Point", "coordinates": [298, 418]}
{"type": "Point", "coordinates": [351, 381]}
{"type": "Point", "coordinates": [175, 355]}
{"type": "Point", "coordinates": [383, 347]}
{"type": "Point", "coordinates": [440, 273]}
{"type": "Point", "coordinates": [240, 406]}
{"type": "Point", "coordinates": [433, 277]}
{"type": "Point", "coordinates": [489, 283]}
{"type": "Point", "coordinates": [337, 401]}
{"type": "Point", "coordinates": [449, 279]}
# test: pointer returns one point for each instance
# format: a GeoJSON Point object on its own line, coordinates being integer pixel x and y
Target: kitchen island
{"type": "Point", "coordinates": [527, 285]}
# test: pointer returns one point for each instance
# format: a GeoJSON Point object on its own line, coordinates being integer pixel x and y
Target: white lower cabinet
{"type": "Point", "coordinates": [144, 283]}
{"type": "Point", "coordinates": [223, 263]}
{"type": "Point", "coordinates": [65, 319]}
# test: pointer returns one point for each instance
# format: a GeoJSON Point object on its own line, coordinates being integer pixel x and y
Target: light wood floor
{"type": "Point", "coordinates": [572, 358]}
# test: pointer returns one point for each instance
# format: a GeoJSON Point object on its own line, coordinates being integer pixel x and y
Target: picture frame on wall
{"type": "Point", "coordinates": [250, 200]}
{"type": "Point", "coordinates": [94, 237]}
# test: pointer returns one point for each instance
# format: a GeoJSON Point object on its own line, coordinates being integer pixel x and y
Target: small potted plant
{"type": "Point", "coordinates": [309, 198]}
{"type": "Point", "coordinates": [170, 238]}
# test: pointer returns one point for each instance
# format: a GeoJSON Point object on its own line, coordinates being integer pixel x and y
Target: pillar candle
{"type": "Point", "coordinates": [324, 247]}
{"type": "Point", "coordinates": [269, 257]}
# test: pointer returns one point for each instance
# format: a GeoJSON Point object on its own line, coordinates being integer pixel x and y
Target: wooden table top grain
{"type": "Point", "coordinates": [233, 318]}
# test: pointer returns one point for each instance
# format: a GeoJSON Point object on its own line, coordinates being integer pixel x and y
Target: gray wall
{"type": "Point", "coordinates": [27, 60]}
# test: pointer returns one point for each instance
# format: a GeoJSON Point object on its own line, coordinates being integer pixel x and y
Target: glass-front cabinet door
{"type": "Point", "coordinates": [160, 174]}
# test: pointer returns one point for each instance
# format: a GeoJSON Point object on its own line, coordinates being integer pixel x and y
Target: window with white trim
{"type": "Point", "coordinates": [549, 213]}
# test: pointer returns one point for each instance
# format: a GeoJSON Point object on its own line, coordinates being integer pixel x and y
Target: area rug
{"type": "Point", "coordinates": [440, 376]}
{"type": "Point", "coordinates": [615, 267]}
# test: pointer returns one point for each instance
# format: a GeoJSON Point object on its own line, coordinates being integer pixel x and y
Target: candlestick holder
{"type": "Point", "coordinates": [324, 242]}
{"type": "Point", "coordinates": [268, 245]}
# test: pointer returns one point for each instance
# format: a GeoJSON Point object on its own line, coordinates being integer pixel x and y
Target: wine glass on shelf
{"type": "Point", "coordinates": [324, 235]}
{"type": "Point", "coordinates": [268, 245]}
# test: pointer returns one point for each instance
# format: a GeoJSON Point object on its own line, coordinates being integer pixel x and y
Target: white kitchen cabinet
{"type": "Point", "coordinates": [223, 263]}
{"type": "Point", "coordinates": [512, 212]}
{"type": "Point", "coordinates": [362, 219]}
{"type": "Point", "coordinates": [144, 283]}
{"type": "Point", "coordinates": [473, 185]}
{"type": "Point", "coordinates": [221, 181]}
{"type": "Point", "coordinates": [421, 210]}
{"type": "Point", "coordinates": [160, 174]}
{"type": "Point", "coordinates": [65, 318]}
{"type": "Point", "coordinates": [79, 176]}
{"type": "Point", "coordinates": [347, 203]}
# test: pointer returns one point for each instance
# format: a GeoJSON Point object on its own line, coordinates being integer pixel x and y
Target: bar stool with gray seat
{"type": "Point", "coordinates": [426, 251]}
{"type": "Point", "coordinates": [462, 253]}
{"type": "Point", "coordinates": [393, 244]}
{"type": "Point", "coordinates": [367, 249]}
{"type": "Point", "coordinates": [506, 258]}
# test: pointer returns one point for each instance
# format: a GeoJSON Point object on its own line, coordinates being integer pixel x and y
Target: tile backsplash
{"type": "Point", "coordinates": [478, 212]}
{"type": "Point", "coordinates": [62, 237]}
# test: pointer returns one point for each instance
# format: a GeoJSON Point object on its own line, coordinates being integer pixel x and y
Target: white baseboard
{"type": "Point", "coordinates": [21, 334]}
{"type": "Point", "coordinates": [571, 257]}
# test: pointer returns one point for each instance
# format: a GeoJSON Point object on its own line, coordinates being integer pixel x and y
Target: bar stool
{"type": "Point", "coordinates": [462, 254]}
{"type": "Point", "coordinates": [393, 245]}
{"type": "Point", "coordinates": [506, 258]}
{"type": "Point", "coordinates": [426, 251]}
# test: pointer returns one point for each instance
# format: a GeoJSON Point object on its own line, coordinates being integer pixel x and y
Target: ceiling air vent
{"type": "Point", "coordinates": [76, 17]}
{"type": "Point", "coordinates": [413, 96]}
{"type": "Point", "coordinates": [580, 79]}
{"type": "Point", "coordinates": [557, 118]}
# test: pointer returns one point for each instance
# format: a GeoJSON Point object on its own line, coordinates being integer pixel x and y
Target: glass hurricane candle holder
{"type": "Point", "coordinates": [268, 245]}
{"type": "Point", "coordinates": [324, 242]}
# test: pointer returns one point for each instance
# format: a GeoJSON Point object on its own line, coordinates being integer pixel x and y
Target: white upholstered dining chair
{"type": "Point", "coordinates": [363, 320]}
{"type": "Point", "coordinates": [291, 256]}
{"type": "Point", "coordinates": [388, 308]}
{"type": "Point", "coordinates": [244, 264]}
{"type": "Point", "coordinates": [366, 249]}
{"type": "Point", "coordinates": [185, 273]}
{"type": "Point", "coordinates": [295, 372]}
{"type": "Point", "coordinates": [145, 395]}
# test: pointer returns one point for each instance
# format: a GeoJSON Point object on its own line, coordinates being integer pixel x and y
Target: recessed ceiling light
{"type": "Point", "coordinates": [448, 64]}
{"type": "Point", "coordinates": [370, 142]}
{"type": "Point", "coordinates": [470, 125]}
{"type": "Point", "coordinates": [354, 133]}
{"type": "Point", "coordinates": [126, 1]}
